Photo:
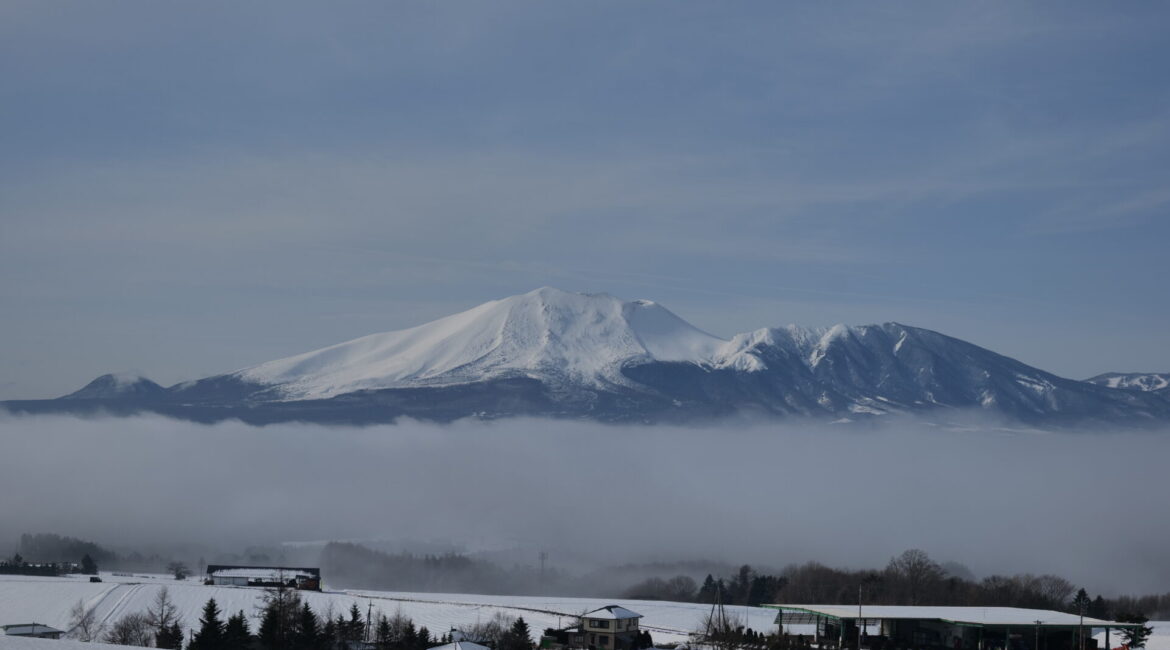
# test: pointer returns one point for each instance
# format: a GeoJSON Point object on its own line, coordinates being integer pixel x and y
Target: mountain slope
{"type": "Point", "coordinates": [554, 336]}
{"type": "Point", "coordinates": [879, 369]}
{"type": "Point", "coordinates": [1155, 382]}
{"type": "Point", "coordinates": [119, 386]}
{"type": "Point", "coordinates": [559, 354]}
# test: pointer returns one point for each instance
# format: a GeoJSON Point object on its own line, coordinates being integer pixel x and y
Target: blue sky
{"type": "Point", "coordinates": [187, 189]}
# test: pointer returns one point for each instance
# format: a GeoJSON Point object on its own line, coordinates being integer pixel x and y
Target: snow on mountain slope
{"type": "Point", "coordinates": [873, 369]}
{"type": "Point", "coordinates": [546, 334]}
{"type": "Point", "coordinates": [118, 386]}
{"type": "Point", "coordinates": [553, 353]}
{"type": "Point", "coordinates": [1143, 381]}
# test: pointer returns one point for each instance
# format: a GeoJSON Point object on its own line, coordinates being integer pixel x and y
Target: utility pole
{"type": "Point", "coordinates": [369, 619]}
{"type": "Point", "coordinates": [543, 559]}
{"type": "Point", "coordinates": [860, 622]}
{"type": "Point", "coordinates": [1081, 629]}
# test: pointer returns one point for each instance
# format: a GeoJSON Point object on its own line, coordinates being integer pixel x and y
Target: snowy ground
{"type": "Point", "coordinates": [1159, 640]}
{"type": "Point", "coordinates": [26, 599]}
{"type": "Point", "coordinates": [17, 643]}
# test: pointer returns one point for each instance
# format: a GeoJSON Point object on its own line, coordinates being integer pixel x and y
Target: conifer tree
{"type": "Point", "coordinates": [382, 633]}
{"type": "Point", "coordinates": [356, 627]}
{"type": "Point", "coordinates": [211, 629]}
{"type": "Point", "coordinates": [329, 634]}
{"type": "Point", "coordinates": [1080, 603]}
{"type": "Point", "coordinates": [516, 637]}
{"type": "Point", "coordinates": [708, 590]}
{"type": "Point", "coordinates": [409, 640]}
{"type": "Point", "coordinates": [308, 636]}
{"type": "Point", "coordinates": [270, 635]}
{"type": "Point", "coordinates": [279, 618]}
{"type": "Point", "coordinates": [236, 633]}
{"type": "Point", "coordinates": [170, 637]}
{"type": "Point", "coordinates": [1135, 637]}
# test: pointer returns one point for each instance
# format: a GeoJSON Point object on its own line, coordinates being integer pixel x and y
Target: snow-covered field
{"type": "Point", "coordinates": [18, 643]}
{"type": "Point", "coordinates": [1159, 640]}
{"type": "Point", "coordinates": [25, 599]}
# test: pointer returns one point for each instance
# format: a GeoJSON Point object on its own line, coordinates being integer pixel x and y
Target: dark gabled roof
{"type": "Point", "coordinates": [612, 612]}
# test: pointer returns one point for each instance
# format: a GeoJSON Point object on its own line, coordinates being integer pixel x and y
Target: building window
{"type": "Point", "coordinates": [600, 624]}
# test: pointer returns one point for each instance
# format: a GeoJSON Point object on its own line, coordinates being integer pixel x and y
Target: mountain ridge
{"type": "Point", "coordinates": [553, 353]}
{"type": "Point", "coordinates": [1152, 382]}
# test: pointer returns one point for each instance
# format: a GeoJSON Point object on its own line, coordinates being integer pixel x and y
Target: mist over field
{"type": "Point", "coordinates": [1092, 508]}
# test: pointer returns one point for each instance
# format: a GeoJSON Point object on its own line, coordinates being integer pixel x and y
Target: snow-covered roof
{"type": "Point", "coordinates": [964, 615]}
{"type": "Point", "coordinates": [461, 645]}
{"type": "Point", "coordinates": [30, 629]}
{"type": "Point", "coordinates": [612, 612]}
{"type": "Point", "coordinates": [261, 574]}
{"type": "Point", "coordinates": [31, 643]}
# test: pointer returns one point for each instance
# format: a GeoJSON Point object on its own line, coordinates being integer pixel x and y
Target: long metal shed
{"type": "Point", "coordinates": [950, 628]}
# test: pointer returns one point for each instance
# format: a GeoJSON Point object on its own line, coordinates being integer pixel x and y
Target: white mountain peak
{"type": "Point", "coordinates": [546, 333]}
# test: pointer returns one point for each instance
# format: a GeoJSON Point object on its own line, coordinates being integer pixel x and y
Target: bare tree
{"type": "Point", "coordinates": [1054, 589]}
{"type": "Point", "coordinates": [179, 570]}
{"type": "Point", "coordinates": [132, 629]}
{"type": "Point", "coordinates": [915, 573]}
{"type": "Point", "coordinates": [83, 623]}
{"type": "Point", "coordinates": [490, 632]}
{"type": "Point", "coordinates": [162, 613]}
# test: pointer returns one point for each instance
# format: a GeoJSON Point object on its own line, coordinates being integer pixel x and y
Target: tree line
{"type": "Point", "coordinates": [911, 578]}
{"type": "Point", "coordinates": [359, 567]}
{"type": "Point", "coordinates": [287, 622]}
{"type": "Point", "coordinates": [18, 565]}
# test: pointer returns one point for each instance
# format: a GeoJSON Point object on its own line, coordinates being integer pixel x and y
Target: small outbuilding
{"type": "Point", "coordinates": [32, 631]}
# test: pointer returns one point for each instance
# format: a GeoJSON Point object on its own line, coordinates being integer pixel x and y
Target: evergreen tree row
{"type": "Point", "coordinates": [289, 623]}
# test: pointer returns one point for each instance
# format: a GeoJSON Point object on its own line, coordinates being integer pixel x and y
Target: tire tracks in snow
{"type": "Point", "coordinates": [117, 607]}
{"type": "Point", "coordinates": [92, 608]}
{"type": "Point", "coordinates": [101, 624]}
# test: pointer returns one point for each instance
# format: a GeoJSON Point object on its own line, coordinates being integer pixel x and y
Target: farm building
{"type": "Point", "coordinates": [264, 576]}
{"type": "Point", "coordinates": [886, 627]}
{"type": "Point", "coordinates": [32, 630]}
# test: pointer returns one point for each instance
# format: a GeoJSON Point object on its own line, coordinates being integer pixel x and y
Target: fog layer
{"type": "Point", "coordinates": [1092, 508]}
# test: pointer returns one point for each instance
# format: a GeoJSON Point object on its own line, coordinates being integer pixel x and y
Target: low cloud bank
{"type": "Point", "coordinates": [1092, 508]}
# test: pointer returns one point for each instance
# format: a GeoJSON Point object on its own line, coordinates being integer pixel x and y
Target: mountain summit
{"type": "Point", "coordinates": [552, 335]}
{"type": "Point", "coordinates": [559, 354]}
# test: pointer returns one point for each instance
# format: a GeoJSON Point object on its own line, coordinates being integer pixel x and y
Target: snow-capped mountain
{"type": "Point", "coordinates": [1144, 381]}
{"type": "Point", "coordinates": [551, 335]}
{"type": "Point", "coordinates": [553, 353]}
